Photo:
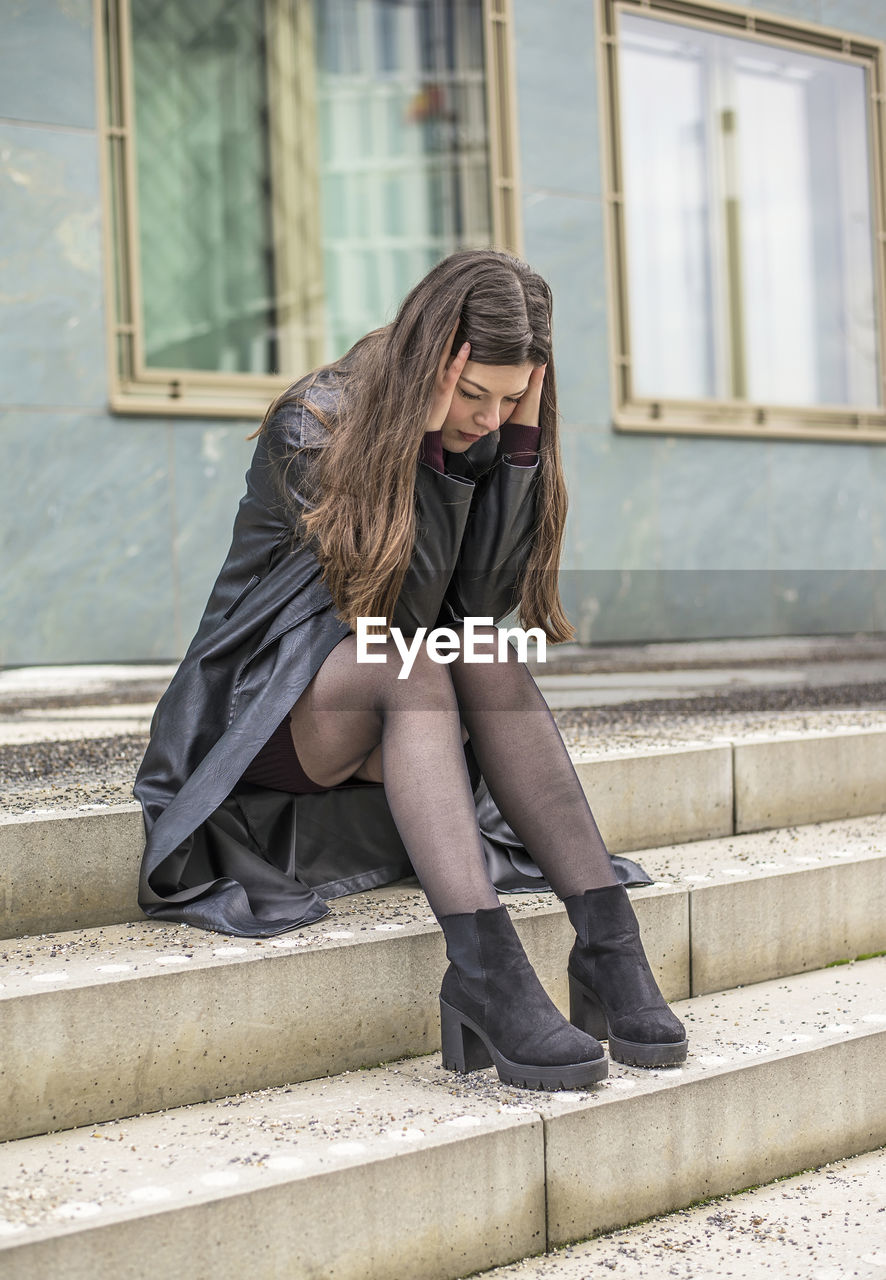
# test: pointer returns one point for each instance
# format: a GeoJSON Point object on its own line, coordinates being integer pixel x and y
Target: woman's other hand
{"type": "Point", "coordinates": [447, 378]}
{"type": "Point", "coordinates": [529, 408]}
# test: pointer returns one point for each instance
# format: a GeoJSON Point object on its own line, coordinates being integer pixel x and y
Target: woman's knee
{"type": "Point", "coordinates": [484, 647]}
{"type": "Point", "coordinates": [419, 679]}
{"type": "Point", "coordinates": [388, 677]}
{"type": "Point", "coordinates": [415, 678]}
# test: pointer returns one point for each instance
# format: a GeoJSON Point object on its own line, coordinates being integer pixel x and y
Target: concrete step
{"type": "Point", "coordinates": [409, 1170]}
{"type": "Point", "coordinates": [822, 1224]}
{"type": "Point", "coordinates": [66, 870]}
{"type": "Point", "coordinates": [772, 903]}
{"type": "Point", "coordinates": [110, 1022]}
{"type": "Point", "coordinates": [71, 724]}
{"type": "Point", "coordinates": [601, 689]}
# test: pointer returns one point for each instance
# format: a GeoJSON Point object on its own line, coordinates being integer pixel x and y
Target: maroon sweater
{"type": "Point", "coordinates": [518, 441]}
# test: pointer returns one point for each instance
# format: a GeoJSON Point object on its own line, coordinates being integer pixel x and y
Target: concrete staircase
{"type": "Point", "coordinates": [175, 1102]}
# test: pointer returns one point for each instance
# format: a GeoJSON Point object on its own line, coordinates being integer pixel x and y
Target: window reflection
{"type": "Point", "coordinates": [300, 164]}
{"type": "Point", "coordinates": [748, 220]}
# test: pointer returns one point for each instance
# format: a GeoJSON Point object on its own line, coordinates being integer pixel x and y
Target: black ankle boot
{"type": "Point", "coordinates": [494, 1011]}
{"type": "Point", "coordinates": [612, 993]}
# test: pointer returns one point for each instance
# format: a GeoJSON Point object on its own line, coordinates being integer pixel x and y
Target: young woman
{"type": "Point", "coordinates": [418, 479]}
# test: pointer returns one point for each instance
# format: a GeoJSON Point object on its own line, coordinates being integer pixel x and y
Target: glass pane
{"type": "Point", "coordinates": [666, 158]}
{"type": "Point", "coordinates": [202, 173]}
{"type": "Point", "coordinates": [748, 219]}
{"type": "Point", "coordinates": [300, 164]}
{"type": "Point", "coordinates": [404, 160]}
{"type": "Point", "coordinates": [807, 233]}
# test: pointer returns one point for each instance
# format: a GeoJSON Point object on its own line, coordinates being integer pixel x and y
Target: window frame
{"type": "Point", "coordinates": [135, 388]}
{"type": "Point", "coordinates": [734, 417]}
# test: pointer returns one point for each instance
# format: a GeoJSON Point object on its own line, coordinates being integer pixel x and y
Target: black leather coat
{"type": "Point", "coordinates": [244, 860]}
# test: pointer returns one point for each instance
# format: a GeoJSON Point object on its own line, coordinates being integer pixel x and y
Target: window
{"type": "Point", "coordinates": [745, 232]}
{"type": "Point", "coordinates": [279, 173]}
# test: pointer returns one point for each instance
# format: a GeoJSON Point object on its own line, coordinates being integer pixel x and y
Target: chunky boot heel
{"type": "Point", "coordinates": [612, 991]}
{"type": "Point", "coordinates": [495, 1012]}
{"type": "Point", "coordinates": [585, 1010]}
{"type": "Point", "coordinates": [463, 1050]}
{"type": "Point", "coordinates": [467, 1047]}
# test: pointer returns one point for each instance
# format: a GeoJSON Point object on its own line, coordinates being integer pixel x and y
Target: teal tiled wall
{"type": "Point", "coordinates": [52, 351]}
{"type": "Point", "coordinates": [46, 71]}
{"type": "Point", "coordinates": [113, 528]}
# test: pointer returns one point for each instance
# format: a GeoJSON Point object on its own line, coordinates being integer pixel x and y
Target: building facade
{"type": "Point", "coordinates": [201, 201]}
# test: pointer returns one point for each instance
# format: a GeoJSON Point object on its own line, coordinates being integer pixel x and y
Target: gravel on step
{"type": "Point", "coordinates": [101, 771]}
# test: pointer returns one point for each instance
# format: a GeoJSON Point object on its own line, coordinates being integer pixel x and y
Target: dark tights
{"type": "Point", "coordinates": [360, 718]}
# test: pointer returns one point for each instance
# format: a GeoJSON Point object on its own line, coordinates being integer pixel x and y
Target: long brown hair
{"type": "Point", "coordinates": [362, 525]}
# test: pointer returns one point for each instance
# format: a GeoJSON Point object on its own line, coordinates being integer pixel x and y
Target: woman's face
{"type": "Point", "coordinates": [485, 396]}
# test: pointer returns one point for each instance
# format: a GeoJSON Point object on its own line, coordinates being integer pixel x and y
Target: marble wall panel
{"type": "Point", "coordinates": [557, 96]}
{"type": "Point", "coordinates": [805, 10]}
{"type": "Point", "coordinates": [878, 604]}
{"type": "Point", "coordinates": [53, 349]}
{"type": "Point", "coordinates": [825, 601]}
{"type": "Point", "coordinates": [613, 500]}
{"type": "Point", "coordinates": [636, 605]}
{"type": "Point", "coordinates": [866, 17]}
{"type": "Point", "coordinates": [86, 563]}
{"type": "Point", "coordinates": [713, 503]}
{"type": "Point", "coordinates": [564, 241]}
{"type": "Point", "coordinates": [46, 63]}
{"type": "Point", "coordinates": [878, 533]}
{"type": "Point", "coordinates": [609, 605]}
{"type": "Point", "coordinates": [209, 465]}
{"type": "Point", "coordinates": [701, 604]}
{"type": "Point", "coordinates": [877, 457]}
{"type": "Point", "coordinates": [821, 505]}
{"type": "Point", "coordinates": [610, 583]}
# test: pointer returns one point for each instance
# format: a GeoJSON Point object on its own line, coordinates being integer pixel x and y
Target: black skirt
{"type": "Point", "coordinates": [278, 767]}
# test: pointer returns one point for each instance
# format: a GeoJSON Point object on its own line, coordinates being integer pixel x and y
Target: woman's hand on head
{"type": "Point", "coordinates": [528, 410]}
{"type": "Point", "coordinates": [448, 374]}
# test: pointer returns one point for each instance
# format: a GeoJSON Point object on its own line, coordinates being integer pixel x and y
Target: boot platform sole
{"type": "Point", "coordinates": [466, 1047]}
{"type": "Point", "coordinates": [587, 1013]}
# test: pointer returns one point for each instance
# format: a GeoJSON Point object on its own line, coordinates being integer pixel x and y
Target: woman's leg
{"type": "Point", "coordinates": [351, 708]}
{"type": "Point", "coordinates": [612, 991]}
{"type": "Point", "coordinates": [493, 1009]}
{"type": "Point", "coordinates": [527, 768]}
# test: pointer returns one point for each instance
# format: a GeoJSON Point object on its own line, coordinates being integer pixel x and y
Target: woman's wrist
{"type": "Point", "coordinates": [520, 442]}
{"type": "Point", "coordinates": [516, 439]}
{"type": "Point", "coordinates": [432, 449]}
